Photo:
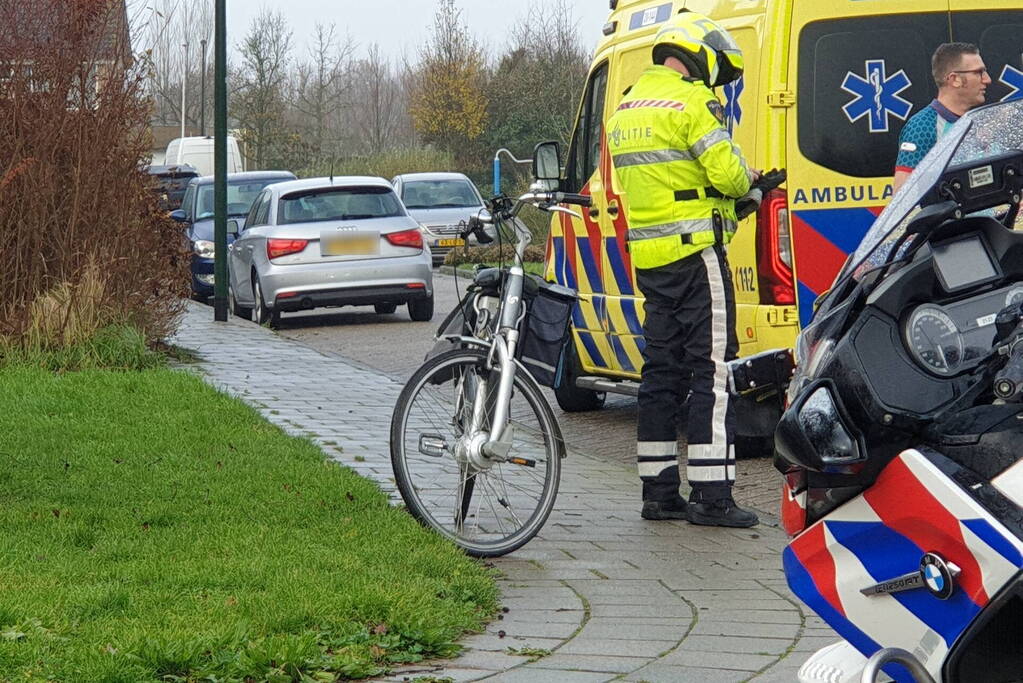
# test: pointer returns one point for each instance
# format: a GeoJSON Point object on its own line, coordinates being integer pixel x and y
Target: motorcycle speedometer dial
{"type": "Point", "coordinates": [934, 340]}
{"type": "Point", "coordinates": [1014, 296]}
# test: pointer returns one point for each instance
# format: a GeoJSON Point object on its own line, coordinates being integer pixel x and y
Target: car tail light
{"type": "Point", "coordinates": [774, 251]}
{"type": "Point", "coordinates": [406, 238]}
{"type": "Point", "coordinates": [793, 502]}
{"type": "Point", "coordinates": [276, 247]}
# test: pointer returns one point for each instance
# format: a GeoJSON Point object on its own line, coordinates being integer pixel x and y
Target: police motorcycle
{"type": "Point", "coordinates": [901, 444]}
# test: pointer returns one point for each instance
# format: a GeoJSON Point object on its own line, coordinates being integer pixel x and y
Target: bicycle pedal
{"type": "Point", "coordinates": [433, 445]}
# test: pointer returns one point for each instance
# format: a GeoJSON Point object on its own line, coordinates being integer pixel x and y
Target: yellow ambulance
{"type": "Point", "coordinates": [827, 87]}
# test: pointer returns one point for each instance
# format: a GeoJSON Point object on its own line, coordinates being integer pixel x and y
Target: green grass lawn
{"type": "Point", "coordinates": [153, 529]}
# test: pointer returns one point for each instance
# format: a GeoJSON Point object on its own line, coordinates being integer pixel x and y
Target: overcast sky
{"type": "Point", "coordinates": [400, 26]}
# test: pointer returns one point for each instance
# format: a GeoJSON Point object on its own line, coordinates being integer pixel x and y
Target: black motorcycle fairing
{"type": "Point", "coordinates": [989, 649]}
{"type": "Point", "coordinates": [884, 437]}
{"type": "Point", "coordinates": [984, 439]}
{"type": "Point", "coordinates": [899, 384]}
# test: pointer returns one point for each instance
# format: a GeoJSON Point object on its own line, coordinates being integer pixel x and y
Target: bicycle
{"type": "Point", "coordinates": [475, 446]}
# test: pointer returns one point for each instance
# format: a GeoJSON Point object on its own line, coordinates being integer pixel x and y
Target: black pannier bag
{"type": "Point", "coordinates": [545, 333]}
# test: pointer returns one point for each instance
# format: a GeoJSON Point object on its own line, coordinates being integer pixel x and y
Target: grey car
{"type": "Point", "coordinates": [342, 241]}
{"type": "Point", "coordinates": [440, 202]}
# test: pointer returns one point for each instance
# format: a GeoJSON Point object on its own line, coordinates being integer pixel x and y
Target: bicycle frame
{"type": "Point", "coordinates": [506, 337]}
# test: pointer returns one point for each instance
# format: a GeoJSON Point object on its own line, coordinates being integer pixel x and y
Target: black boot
{"type": "Point", "coordinates": [665, 509]}
{"type": "Point", "coordinates": [708, 509]}
{"type": "Point", "coordinates": [660, 496]}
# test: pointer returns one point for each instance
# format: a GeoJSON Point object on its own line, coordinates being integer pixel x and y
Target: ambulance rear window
{"type": "Point", "coordinates": [859, 80]}
{"type": "Point", "coordinates": [997, 34]}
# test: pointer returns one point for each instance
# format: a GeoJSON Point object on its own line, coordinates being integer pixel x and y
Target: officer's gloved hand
{"type": "Point", "coordinates": [750, 202]}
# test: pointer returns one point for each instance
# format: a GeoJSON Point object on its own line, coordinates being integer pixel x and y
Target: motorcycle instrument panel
{"type": "Point", "coordinates": [949, 338]}
{"type": "Point", "coordinates": [964, 263]}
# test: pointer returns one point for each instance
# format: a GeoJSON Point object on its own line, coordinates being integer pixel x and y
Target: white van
{"type": "Point", "coordinates": [198, 152]}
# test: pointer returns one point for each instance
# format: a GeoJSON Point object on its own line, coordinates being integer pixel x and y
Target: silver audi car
{"type": "Point", "coordinates": [441, 202]}
{"type": "Point", "coordinates": [342, 241]}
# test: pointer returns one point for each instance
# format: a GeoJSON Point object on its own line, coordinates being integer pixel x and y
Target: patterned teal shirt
{"type": "Point", "coordinates": [921, 133]}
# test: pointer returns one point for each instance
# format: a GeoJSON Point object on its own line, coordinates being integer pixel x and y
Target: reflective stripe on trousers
{"type": "Point", "coordinates": [654, 456]}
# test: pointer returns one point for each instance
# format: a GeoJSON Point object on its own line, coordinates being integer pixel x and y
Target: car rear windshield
{"type": "Point", "coordinates": [240, 195]}
{"type": "Point", "coordinates": [338, 204]}
{"type": "Point", "coordinates": [438, 194]}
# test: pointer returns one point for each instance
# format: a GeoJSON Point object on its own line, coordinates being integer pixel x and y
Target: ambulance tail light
{"type": "Point", "coordinates": [774, 251]}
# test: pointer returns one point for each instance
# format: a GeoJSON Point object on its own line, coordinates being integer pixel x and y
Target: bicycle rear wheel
{"type": "Point", "coordinates": [488, 507]}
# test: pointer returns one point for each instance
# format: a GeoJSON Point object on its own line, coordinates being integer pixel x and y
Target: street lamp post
{"type": "Point", "coordinates": [220, 164]}
{"type": "Point", "coordinates": [184, 80]}
{"type": "Point", "coordinates": [202, 91]}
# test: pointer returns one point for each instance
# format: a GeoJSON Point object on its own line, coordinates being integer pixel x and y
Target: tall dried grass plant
{"type": "Point", "coordinates": [84, 244]}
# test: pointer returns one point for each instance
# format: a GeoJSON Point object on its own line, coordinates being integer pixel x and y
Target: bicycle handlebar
{"type": "Point", "coordinates": [556, 198]}
{"type": "Point", "coordinates": [577, 199]}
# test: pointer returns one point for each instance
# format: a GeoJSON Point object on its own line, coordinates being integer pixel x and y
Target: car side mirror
{"type": "Point", "coordinates": [233, 227]}
{"type": "Point", "coordinates": [547, 165]}
{"type": "Point", "coordinates": [179, 215]}
{"type": "Point", "coordinates": [817, 433]}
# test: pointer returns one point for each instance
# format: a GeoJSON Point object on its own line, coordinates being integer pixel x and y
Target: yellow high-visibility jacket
{"type": "Point", "coordinates": [675, 164]}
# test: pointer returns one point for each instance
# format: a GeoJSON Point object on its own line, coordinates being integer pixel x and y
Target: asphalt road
{"type": "Point", "coordinates": [395, 345]}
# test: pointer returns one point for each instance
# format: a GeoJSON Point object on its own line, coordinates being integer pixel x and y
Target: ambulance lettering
{"type": "Point", "coordinates": [841, 194]}
{"type": "Point", "coordinates": [746, 278]}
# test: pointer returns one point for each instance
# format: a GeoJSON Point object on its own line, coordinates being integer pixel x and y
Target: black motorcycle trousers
{"type": "Point", "coordinates": [689, 331]}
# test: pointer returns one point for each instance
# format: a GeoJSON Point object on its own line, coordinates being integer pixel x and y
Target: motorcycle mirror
{"type": "Point", "coordinates": [816, 433]}
{"type": "Point", "coordinates": [932, 216]}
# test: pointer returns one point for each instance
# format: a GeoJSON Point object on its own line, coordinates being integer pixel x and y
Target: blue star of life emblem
{"type": "Point", "coordinates": [877, 95]}
{"type": "Point", "coordinates": [733, 112]}
{"type": "Point", "coordinates": [1012, 77]}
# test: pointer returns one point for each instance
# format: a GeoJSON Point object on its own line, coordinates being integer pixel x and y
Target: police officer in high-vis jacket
{"type": "Point", "coordinates": [680, 173]}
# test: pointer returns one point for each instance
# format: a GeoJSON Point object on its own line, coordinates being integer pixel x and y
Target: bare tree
{"type": "Point", "coordinates": [261, 101]}
{"type": "Point", "coordinates": [382, 114]}
{"type": "Point", "coordinates": [323, 84]}
{"type": "Point", "coordinates": [172, 40]}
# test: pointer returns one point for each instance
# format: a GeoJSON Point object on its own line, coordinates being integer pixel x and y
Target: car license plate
{"type": "Point", "coordinates": [349, 243]}
{"type": "Point", "coordinates": [450, 243]}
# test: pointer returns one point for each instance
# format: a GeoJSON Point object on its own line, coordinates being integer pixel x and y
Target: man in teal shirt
{"type": "Point", "coordinates": [962, 81]}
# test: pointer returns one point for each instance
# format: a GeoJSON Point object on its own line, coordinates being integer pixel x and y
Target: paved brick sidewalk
{"type": "Point", "coordinates": [601, 594]}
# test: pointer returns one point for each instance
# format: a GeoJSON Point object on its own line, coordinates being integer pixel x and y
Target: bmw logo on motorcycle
{"type": "Point", "coordinates": [938, 576]}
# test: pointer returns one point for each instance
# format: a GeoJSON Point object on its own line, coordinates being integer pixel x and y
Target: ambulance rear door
{"type": "Point", "coordinates": [859, 70]}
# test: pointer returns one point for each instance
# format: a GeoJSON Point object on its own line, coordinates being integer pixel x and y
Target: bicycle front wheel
{"type": "Point", "coordinates": [488, 506]}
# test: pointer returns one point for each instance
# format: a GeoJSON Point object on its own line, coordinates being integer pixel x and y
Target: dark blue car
{"type": "Point", "coordinates": [197, 213]}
